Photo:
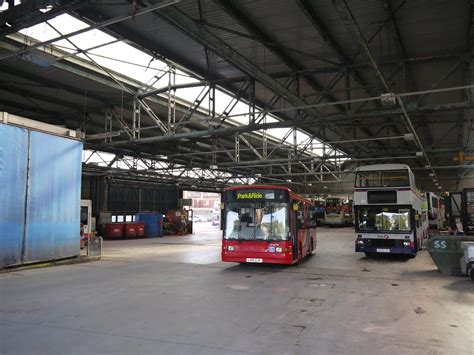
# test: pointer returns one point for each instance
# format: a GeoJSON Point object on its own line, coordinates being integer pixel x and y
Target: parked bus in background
{"type": "Point", "coordinates": [436, 210]}
{"type": "Point", "coordinates": [266, 224]}
{"type": "Point", "coordinates": [338, 212]}
{"type": "Point", "coordinates": [319, 210]}
{"type": "Point", "coordinates": [389, 217]}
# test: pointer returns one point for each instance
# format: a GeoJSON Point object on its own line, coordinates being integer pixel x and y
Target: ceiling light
{"type": "Point", "coordinates": [46, 9]}
{"type": "Point", "coordinates": [409, 137]}
{"type": "Point", "coordinates": [325, 187]}
{"type": "Point", "coordinates": [419, 154]}
{"type": "Point", "coordinates": [388, 99]}
{"type": "Point", "coordinates": [432, 174]}
{"type": "Point", "coordinates": [258, 175]}
{"type": "Point", "coordinates": [213, 167]}
{"type": "Point", "coordinates": [213, 123]}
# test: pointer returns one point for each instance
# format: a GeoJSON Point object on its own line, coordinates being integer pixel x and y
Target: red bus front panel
{"type": "Point", "coordinates": [275, 252]}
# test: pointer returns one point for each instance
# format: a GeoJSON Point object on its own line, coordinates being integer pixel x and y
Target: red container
{"type": "Point", "coordinates": [130, 230]}
{"type": "Point", "coordinates": [113, 230]}
{"type": "Point", "coordinates": [140, 229]}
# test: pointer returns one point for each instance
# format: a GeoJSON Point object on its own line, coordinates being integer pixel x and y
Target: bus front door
{"type": "Point", "coordinates": [294, 234]}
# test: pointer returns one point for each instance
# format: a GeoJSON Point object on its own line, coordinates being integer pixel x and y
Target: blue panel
{"type": "Point", "coordinates": [53, 203]}
{"type": "Point", "coordinates": [152, 222]}
{"type": "Point", "coordinates": [13, 166]}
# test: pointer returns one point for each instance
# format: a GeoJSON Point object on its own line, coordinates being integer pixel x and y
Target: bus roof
{"type": "Point", "coordinates": [276, 187]}
{"type": "Point", "coordinates": [377, 167]}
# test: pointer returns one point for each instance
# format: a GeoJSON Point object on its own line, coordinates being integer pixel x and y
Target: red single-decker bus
{"type": "Point", "coordinates": [266, 224]}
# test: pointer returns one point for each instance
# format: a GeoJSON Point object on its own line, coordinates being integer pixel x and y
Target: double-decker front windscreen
{"type": "Point", "coordinates": [383, 219]}
{"type": "Point", "coordinates": [382, 178]}
{"type": "Point", "coordinates": [333, 206]}
{"type": "Point", "coordinates": [256, 215]}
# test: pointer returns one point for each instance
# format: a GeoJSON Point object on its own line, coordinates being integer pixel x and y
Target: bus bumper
{"type": "Point", "coordinates": [403, 250]}
{"type": "Point", "coordinates": [258, 258]}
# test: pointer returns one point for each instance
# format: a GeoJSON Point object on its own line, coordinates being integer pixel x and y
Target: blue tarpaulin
{"type": "Point", "coordinates": [54, 198]}
{"type": "Point", "coordinates": [13, 169]}
{"type": "Point", "coordinates": [39, 196]}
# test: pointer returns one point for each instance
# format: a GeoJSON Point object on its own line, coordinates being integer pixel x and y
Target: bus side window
{"type": "Point", "coordinates": [299, 219]}
{"type": "Point", "coordinates": [306, 216]}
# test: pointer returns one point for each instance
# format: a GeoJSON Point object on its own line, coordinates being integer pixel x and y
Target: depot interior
{"type": "Point", "coordinates": [126, 125]}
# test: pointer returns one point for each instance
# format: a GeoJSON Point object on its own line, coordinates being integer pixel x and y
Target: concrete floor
{"type": "Point", "coordinates": [173, 296]}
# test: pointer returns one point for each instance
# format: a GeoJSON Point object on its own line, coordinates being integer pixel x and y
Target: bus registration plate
{"type": "Point", "coordinates": [383, 250]}
{"type": "Point", "coordinates": [254, 260]}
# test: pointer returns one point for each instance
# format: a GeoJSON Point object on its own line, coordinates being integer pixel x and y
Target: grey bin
{"type": "Point", "coordinates": [467, 260]}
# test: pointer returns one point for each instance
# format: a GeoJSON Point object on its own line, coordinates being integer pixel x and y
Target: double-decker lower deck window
{"type": "Point", "coordinates": [383, 218]}
{"type": "Point", "coordinates": [257, 221]}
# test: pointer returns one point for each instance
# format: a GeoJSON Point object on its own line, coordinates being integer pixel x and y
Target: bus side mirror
{"type": "Point", "coordinates": [295, 207]}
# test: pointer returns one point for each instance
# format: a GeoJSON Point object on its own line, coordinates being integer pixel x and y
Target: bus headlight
{"type": "Point", "coordinates": [278, 249]}
{"type": "Point", "coordinates": [360, 242]}
{"type": "Point", "coordinates": [406, 243]}
{"type": "Point", "coordinates": [230, 248]}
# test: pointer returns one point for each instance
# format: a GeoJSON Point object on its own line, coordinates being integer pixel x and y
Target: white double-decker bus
{"type": "Point", "coordinates": [389, 217]}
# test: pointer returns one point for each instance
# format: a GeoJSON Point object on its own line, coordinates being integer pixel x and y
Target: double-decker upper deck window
{"type": "Point", "coordinates": [386, 178]}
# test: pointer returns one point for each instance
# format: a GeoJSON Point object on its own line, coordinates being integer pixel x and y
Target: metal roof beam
{"type": "Point", "coordinates": [193, 29]}
{"type": "Point", "coordinates": [28, 13]}
{"type": "Point", "coordinates": [348, 19]}
{"type": "Point", "coordinates": [318, 24]}
{"type": "Point", "coordinates": [265, 39]}
{"type": "Point", "coordinates": [96, 26]}
{"type": "Point", "coordinates": [299, 123]}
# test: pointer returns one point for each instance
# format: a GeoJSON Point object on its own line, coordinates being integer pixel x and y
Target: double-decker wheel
{"type": "Point", "coordinates": [416, 248]}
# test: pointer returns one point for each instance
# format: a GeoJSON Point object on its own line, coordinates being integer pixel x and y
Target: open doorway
{"type": "Point", "coordinates": [206, 210]}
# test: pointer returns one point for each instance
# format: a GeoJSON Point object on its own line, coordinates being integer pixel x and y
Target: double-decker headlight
{"type": "Point", "coordinates": [406, 243]}
{"type": "Point", "coordinates": [360, 242]}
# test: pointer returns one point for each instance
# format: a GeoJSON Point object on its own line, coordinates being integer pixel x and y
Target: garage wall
{"type": "Point", "coordinates": [126, 198]}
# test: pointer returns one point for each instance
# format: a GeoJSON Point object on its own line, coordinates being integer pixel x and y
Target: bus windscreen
{"type": "Point", "coordinates": [257, 221]}
{"type": "Point", "coordinates": [384, 178]}
{"type": "Point", "coordinates": [383, 219]}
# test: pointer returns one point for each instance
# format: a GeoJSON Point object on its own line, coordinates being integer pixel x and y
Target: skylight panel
{"type": "Point", "coordinates": [133, 63]}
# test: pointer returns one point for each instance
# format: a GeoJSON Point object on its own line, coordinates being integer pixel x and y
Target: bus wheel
{"type": "Point", "coordinates": [368, 254]}
{"type": "Point", "coordinates": [310, 252]}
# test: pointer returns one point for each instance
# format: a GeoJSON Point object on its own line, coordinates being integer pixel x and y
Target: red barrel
{"type": "Point", "coordinates": [130, 230]}
{"type": "Point", "coordinates": [140, 229]}
{"type": "Point", "coordinates": [113, 230]}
